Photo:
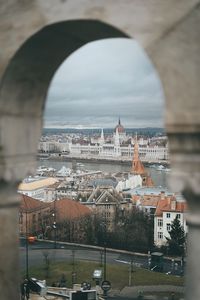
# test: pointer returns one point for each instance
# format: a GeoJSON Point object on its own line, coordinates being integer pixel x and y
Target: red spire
{"type": "Point", "coordinates": [137, 165]}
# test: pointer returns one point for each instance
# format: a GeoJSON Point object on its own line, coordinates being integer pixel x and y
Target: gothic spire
{"type": "Point", "coordinates": [137, 165]}
{"type": "Point", "coordinates": [102, 140]}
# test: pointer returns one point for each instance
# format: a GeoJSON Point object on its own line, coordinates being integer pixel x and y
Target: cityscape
{"type": "Point", "coordinates": [104, 188]}
{"type": "Point", "coordinates": [116, 145]}
{"type": "Point", "coordinates": [99, 194]}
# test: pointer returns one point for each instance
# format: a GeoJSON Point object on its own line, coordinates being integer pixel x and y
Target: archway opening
{"type": "Point", "coordinates": [25, 86]}
{"type": "Point", "coordinates": [23, 92]}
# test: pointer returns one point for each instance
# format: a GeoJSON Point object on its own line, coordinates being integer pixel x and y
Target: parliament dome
{"type": "Point", "coordinates": [120, 127]}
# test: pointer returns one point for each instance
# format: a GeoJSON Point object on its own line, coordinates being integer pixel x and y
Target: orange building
{"type": "Point", "coordinates": [37, 218]}
{"type": "Point", "coordinates": [33, 216]}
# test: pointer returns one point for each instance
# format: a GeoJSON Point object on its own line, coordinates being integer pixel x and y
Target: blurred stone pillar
{"type": "Point", "coordinates": [185, 177]}
{"type": "Point", "coordinates": [17, 159]}
{"type": "Point", "coordinates": [176, 56]}
{"type": "Point", "coordinates": [9, 257]}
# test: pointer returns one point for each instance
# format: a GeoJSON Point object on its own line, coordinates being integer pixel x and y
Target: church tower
{"type": "Point", "coordinates": [120, 128]}
{"type": "Point", "coordinates": [117, 144]}
{"type": "Point", "coordinates": [102, 140]}
{"type": "Point", "coordinates": [138, 167]}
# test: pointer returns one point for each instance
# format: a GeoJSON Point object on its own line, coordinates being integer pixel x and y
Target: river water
{"type": "Point", "coordinates": [159, 177]}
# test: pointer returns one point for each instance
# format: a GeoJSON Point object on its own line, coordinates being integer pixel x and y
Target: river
{"type": "Point", "coordinates": [159, 177]}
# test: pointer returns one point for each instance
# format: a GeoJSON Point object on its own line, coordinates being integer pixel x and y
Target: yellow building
{"type": "Point", "coordinates": [35, 187]}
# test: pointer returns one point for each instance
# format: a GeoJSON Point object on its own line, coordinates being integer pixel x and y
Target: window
{"type": "Point", "coordinates": [178, 216]}
{"type": "Point", "coordinates": [20, 218]}
{"type": "Point", "coordinates": [168, 215]}
{"type": "Point", "coordinates": [160, 222]}
{"type": "Point", "coordinates": [34, 218]}
{"type": "Point", "coordinates": [168, 226]}
{"type": "Point", "coordinates": [107, 206]}
{"type": "Point", "coordinates": [160, 235]}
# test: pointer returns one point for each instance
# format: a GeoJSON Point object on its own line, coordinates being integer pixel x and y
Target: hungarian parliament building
{"type": "Point", "coordinates": [118, 147]}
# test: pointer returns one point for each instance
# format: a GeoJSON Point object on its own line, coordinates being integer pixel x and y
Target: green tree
{"type": "Point", "coordinates": [133, 231]}
{"type": "Point", "coordinates": [138, 230]}
{"type": "Point", "coordinates": [88, 227]}
{"type": "Point", "coordinates": [176, 242]}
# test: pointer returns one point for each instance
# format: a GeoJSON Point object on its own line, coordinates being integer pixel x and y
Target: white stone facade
{"type": "Point", "coordinates": [162, 225]}
{"type": "Point", "coordinates": [148, 153]}
{"type": "Point", "coordinates": [53, 146]}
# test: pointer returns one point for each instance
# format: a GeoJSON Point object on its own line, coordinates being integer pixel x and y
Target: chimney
{"type": "Point", "coordinates": [173, 203]}
{"type": "Point", "coordinates": [162, 195]}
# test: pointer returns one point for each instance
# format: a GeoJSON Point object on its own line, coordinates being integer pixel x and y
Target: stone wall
{"type": "Point", "coordinates": [168, 30]}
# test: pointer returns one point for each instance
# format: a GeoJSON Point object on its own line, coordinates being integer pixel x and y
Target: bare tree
{"type": "Point", "coordinates": [47, 262]}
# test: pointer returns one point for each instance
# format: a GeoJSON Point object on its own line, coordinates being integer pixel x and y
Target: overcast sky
{"type": "Point", "coordinates": [102, 81]}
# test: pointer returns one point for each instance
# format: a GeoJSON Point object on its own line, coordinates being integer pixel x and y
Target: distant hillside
{"type": "Point", "coordinates": [150, 131]}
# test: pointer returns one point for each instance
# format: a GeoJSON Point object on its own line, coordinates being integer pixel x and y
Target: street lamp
{"type": "Point", "coordinates": [54, 224]}
{"type": "Point", "coordinates": [24, 210]}
{"type": "Point", "coordinates": [27, 249]}
{"type": "Point", "coordinates": [105, 262]}
{"type": "Point", "coordinates": [103, 225]}
{"type": "Point", "coordinates": [73, 268]}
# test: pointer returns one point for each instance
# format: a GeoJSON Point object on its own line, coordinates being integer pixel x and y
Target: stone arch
{"type": "Point", "coordinates": [22, 99]}
{"type": "Point", "coordinates": [25, 84]}
{"type": "Point", "coordinates": [175, 54]}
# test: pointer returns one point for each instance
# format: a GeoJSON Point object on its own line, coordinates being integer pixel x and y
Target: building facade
{"type": "Point", "coordinates": [35, 187]}
{"type": "Point", "coordinates": [168, 208]}
{"type": "Point", "coordinates": [119, 146]}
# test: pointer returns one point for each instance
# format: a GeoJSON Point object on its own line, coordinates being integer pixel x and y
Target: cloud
{"type": "Point", "coordinates": [102, 81]}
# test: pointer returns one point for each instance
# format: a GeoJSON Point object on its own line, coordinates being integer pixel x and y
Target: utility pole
{"type": "Point", "coordinates": [130, 273]}
{"type": "Point", "coordinates": [27, 252]}
{"type": "Point", "coordinates": [101, 258]}
{"type": "Point", "coordinates": [73, 259]}
{"type": "Point", "coordinates": [105, 260]}
{"type": "Point", "coordinates": [54, 225]}
{"type": "Point", "coordinates": [103, 225]}
{"type": "Point", "coordinates": [73, 268]}
{"type": "Point", "coordinates": [105, 285]}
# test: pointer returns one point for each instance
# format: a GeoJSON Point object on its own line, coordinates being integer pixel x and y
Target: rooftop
{"type": "Point", "coordinates": [111, 181]}
{"type": "Point", "coordinates": [70, 209]}
{"type": "Point", "coordinates": [141, 191]}
{"type": "Point", "coordinates": [149, 202]}
{"type": "Point", "coordinates": [165, 205]}
{"type": "Point", "coordinates": [30, 204]}
{"type": "Point", "coordinates": [37, 184]}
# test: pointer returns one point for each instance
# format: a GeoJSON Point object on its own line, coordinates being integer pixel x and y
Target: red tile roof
{"type": "Point", "coordinates": [146, 200]}
{"type": "Point", "coordinates": [150, 202]}
{"type": "Point", "coordinates": [69, 209]}
{"type": "Point", "coordinates": [165, 205]}
{"type": "Point", "coordinates": [29, 204]}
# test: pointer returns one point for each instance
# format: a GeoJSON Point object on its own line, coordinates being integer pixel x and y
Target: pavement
{"type": "Point", "coordinates": [128, 292]}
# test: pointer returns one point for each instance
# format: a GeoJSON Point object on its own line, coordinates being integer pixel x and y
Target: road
{"type": "Point", "coordinates": [64, 253]}
{"type": "Point", "coordinates": [36, 256]}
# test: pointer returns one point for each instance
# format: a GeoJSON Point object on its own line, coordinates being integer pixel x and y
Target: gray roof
{"type": "Point", "coordinates": [103, 182]}
{"type": "Point", "coordinates": [149, 190]}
